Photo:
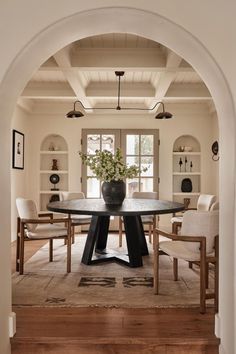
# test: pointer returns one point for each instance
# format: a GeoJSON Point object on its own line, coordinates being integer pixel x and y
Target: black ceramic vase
{"type": "Point", "coordinates": [114, 192]}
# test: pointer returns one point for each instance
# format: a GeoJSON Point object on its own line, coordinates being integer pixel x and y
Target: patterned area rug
{"type": "Point", "coordinates": [106, 284]}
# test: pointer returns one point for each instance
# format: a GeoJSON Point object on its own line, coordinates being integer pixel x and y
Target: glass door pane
{"type": "Point", "coordinates": [92, 140]}
{"type": "Point", "coordinates": [140, 148]}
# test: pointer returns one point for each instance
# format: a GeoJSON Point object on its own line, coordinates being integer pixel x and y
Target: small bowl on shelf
{"type": "Point", "coordinates": [188, 148]}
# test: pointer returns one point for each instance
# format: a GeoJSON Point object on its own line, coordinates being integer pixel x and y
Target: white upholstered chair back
{"type": "Point", "coordinates": [27, 210]}
{"type": "Point", "coordinates": [145, 195]}
{"type": "Point", "coordinates": [200, 223]}
{"type": "Point", "coordinates": [205, 202]}
{"type": "Point", "coordinates": [71, 195]}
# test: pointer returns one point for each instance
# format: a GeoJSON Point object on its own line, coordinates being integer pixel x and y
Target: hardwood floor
{"type": "Point", "coordinates": [111, 330]}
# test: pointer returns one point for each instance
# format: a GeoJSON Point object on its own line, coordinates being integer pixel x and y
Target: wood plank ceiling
{"type": "Point", "coordinates": [85, 70]}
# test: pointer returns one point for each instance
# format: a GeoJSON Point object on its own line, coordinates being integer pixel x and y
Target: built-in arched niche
{"type": "Point", "coordinates": [53, 169]}
{"type": "Point", "coordinates": [186, 170]}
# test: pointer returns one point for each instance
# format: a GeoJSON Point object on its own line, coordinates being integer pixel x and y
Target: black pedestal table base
{"type": "Point", "coordinates": [97, 239]}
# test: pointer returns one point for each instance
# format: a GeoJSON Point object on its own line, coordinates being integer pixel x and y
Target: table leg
{"type": "Point", "coordinates": [135, 239]}
{"type": "Point", "coordinates": [91, 239]}
{"type": "Point", "coordinates": [103, 229]}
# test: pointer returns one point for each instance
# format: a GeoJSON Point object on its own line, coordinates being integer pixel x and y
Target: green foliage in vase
{"type": "Point", "coordinates": [108, 167]}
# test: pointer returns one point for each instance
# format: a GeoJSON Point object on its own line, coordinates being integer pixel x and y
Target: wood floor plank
{"type": "Point", "coordinates": [95, 330]}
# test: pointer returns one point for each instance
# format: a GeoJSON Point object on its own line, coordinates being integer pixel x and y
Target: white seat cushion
{"type": "Point", "coordinates": [177, 219]}
{"type": "Point", "coordinates": [178, 249]}
{"type": "Point", "coordinates": [81, 219]}
{"type": "Point", "coordinates": [47, 231]}
{"type": "Point", "coordinates": [147, 218]}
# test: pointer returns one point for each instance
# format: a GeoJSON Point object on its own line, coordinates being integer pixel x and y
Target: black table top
{"type": "Point", "coordinates": [129, 207]}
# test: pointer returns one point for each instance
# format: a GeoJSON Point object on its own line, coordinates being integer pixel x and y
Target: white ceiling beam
{"type": "Point", "coordinates": [63, 60]}
{"type": "Point", "coordinates": [173, 61]}
{"type": "Point", "coordinates": [117, 57]}
{"type": "Point", "coordinates": [192, 90]}
{"type": "Point", "coordinates": [109, 90]}
{"type": "Point", "coordinates": [48, 90]}
{"type": "Point", "coordinates": [113, 68]}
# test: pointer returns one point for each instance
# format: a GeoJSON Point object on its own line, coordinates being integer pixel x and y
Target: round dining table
{"type": "Point", "coordinates": [131, 210]}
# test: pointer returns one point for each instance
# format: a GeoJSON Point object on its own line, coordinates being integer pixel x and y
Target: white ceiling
{"type": "Point", "coordinates": [85, 70]}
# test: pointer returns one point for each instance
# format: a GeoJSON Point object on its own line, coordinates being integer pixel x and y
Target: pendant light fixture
{"type": "Point", "coordinates": [77, 114]}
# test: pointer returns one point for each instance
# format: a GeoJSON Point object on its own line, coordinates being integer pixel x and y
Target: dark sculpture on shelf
{"type": "Point", "coordinates": [54, 165]}
{"type": "Point", "coordinates": [54, 179]}
{"type": "Point", "coordinates": [180, 164]}
{"type": "Point", "coordinates": [186, 185]}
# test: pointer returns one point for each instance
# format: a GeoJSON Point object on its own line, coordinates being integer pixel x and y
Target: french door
{"type": "Point", "coordinates": [139, 147]}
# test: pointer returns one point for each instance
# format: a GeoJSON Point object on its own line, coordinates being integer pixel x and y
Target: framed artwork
{"type": "Point", "coordinates": [18, 150]}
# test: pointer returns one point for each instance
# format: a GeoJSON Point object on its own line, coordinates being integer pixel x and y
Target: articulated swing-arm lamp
{"type": "Point", "coordinates": [77, 114]}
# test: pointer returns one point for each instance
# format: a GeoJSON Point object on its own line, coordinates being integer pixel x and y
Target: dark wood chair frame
{"type": "Point", "coordinates": [21, 238]}
{"type": "Point", "coordinates": [203, 263]}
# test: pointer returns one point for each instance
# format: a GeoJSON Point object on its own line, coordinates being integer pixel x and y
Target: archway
{"type": "Point", "coordinates": [161, 30]}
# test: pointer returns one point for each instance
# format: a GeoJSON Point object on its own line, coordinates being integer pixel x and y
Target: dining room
{"type": "Point", "coordinates": [179, 148]}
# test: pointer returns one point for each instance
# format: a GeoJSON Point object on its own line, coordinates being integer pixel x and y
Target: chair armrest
{"type": "Point", "coordinates": [45, 215]}
{"type": "Point", "coordinates": [48, 221]}
{"type": "Point", "coordinates": [181, 237]}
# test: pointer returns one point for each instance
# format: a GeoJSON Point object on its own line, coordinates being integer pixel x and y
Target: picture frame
{"type": "Point", "coordinates": [18, 147]}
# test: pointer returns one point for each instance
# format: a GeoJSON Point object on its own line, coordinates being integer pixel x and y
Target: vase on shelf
{"type": "Point", "coordinates": [114, 192]}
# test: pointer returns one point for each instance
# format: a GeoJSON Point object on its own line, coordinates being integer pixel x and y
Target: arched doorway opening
{"type": "Point", "coordinates": [163, 31]}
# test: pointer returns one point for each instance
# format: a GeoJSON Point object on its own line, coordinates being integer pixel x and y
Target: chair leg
{"type": "Point", "coordinates": [51, 250]}
{"type": "Point", "coordinates": [207, 275]}
{"type": "Point", "coordinates": [21, 258]}
{"type": "Point", "coordinates": [18, 245]}
{"type": "Point", "coordinates": [175, 268]}
{"type": "Point", "coordinates": [216, 302]}
{"type": "Point", "coordinates": [17, 253]}
{"type": "Point", "coordinates": [150, 233]}
{"type": "Point", "coordinates": [203, 277]}
{"type": "Point", "coordinates": [69, 247]}
{"type": "Point", "coordinates": [120, 232]}
{"type": "Point", "coordinates": [156, 264]}
{"type": "Point", "coordinates": [73, 234]}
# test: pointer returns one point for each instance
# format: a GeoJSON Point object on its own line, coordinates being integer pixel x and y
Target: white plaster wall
{"type": "Point", "coordinates": [206, 47]}
{"type": "Point", "coordinates": [189, 119]}
{"type": "Point", "coordinates": [20, 178]}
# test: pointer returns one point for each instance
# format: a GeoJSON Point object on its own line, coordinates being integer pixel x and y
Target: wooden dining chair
{"type": "Point", "coordinates": [149, 220]}
{"type": "Point", "coordinates": [197, 243]}
{"type": "Point", "coordinates": [204, 203]}
{"type": "Point", "coordinates": [76, 219]}
{"type": "Point", "coordinates": [33, 226]}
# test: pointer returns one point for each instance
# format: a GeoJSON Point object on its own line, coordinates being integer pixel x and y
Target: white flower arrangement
{"type": "Point", "coordinates": [108, 167]}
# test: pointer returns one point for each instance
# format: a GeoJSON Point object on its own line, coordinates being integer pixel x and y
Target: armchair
{"type": "Point", "coordinates": [198, 242]}
{"type": "Point", "coordinates": [76, 220]}
{"type": "Point", "coordinates": [32, 226]}
{"type": "Point", "coordinates": [204, 203]}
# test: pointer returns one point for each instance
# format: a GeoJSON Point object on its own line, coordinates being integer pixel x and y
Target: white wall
{"type": "Point", "coordinates": [20, 178]}
{"type": "Point", "coordinates": [206, 47]}
{"type": "Point", "coordinates": [189, 119]}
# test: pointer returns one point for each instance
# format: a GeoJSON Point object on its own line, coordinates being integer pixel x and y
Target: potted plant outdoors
{"type": "Point", "coordinates": [112, 171]}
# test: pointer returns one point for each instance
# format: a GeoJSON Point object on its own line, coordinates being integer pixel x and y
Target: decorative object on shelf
{"type": "Point", "coordinates": [54, 198]}
{"type": "Point", "coordinates": [180, 164]}
{"type": "Point", "coordinates": [112, 169]}
{"type": "Point", "coordinates": [18, 150]}
{"type": "Point", "coordinates": [185, 164]}
{"type": "Point", "coordinates": [191, 166]}
{"type": "Point", "coordinates": [77, 114]}
{"type": "Point", "coordinates": [54, 179]}
{"type": "Point", "coordinates": [186, 185]}
{"type": "Point", "coordinates": [186, 203]}
{"type": "Point", "coordinates": [54, 165]}
{"type": "Point", "coordinates": [188, 148]}
{"type": "Point", "coordinates": [215, 150]}
{"type": "Point", "coordinates": [181, 148]}
{"type": "Point", "coordinates": [51, 146]}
